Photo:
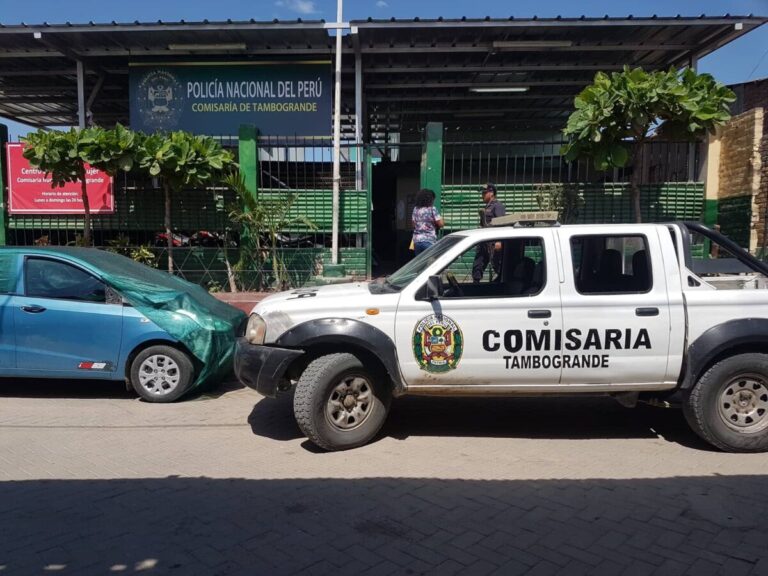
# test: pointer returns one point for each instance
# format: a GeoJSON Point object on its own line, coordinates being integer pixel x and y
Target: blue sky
{"type": "Point", "coordinates": [740, 61]}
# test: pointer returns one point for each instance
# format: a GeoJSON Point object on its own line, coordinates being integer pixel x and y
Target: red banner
{"type": "Point", "coordinates": [31, 192]}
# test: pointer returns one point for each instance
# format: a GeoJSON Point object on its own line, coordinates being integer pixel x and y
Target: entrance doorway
{"type": "Point", "coordinates": [393, 190]}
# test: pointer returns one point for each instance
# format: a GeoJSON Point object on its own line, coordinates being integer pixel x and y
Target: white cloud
{"type": "Point", "coordinates": [382, 4]}
{"type": "Point", "coordinates": [298, 6]}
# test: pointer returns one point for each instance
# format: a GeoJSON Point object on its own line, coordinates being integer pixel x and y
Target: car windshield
{"type": "Point", "coordinates": [407, 273]}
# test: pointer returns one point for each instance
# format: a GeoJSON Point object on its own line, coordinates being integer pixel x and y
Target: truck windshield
{"type": "Point", "coordinates": [407, 273]}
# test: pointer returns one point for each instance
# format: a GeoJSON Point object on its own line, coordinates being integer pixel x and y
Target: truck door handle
{"type": "Point", "coordinates": [34, 309]}
{"type": "Point", "coordinates": [646, 311]}
{"type": "Point", "coordinates": [539, 313]}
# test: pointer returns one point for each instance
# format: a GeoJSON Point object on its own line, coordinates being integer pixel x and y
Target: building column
{"type": "Point", "coordinates": [81, 94]}
{"type": "Point", "coordinates": [432, 161]}
{"type": "Point", "coordinates": [712, 180]}
{"type": "Point", "coordinates": [758, 222]}
{"type": "Point", "coordinates": [3, 199]}
{"type": "Point", "coordinates": [359, 151]}
{"type": "Point", "coordinates": [248, 157]}
{"type": "Point", "coordinates": [693, 64]}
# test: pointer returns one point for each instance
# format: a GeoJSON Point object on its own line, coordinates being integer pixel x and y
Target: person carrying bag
{"type": "Point", "coordinates": [426, 222]}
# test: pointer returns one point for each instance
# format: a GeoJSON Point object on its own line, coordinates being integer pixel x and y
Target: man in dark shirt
{"type": "Point", "coordinates": [488, 250]}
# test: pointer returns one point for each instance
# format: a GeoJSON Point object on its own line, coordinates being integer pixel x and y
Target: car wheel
{"type": "Point", "coordinates": [161, 373]}
{"type": "Point", "coordinates": [340, 404]}
{"type": "Point", "coordinates": [728, 406]}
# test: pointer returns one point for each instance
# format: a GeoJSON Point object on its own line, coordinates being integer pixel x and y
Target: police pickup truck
{"type": "Point", "coordinates": [618, 309]}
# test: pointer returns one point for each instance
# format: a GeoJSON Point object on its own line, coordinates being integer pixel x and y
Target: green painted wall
{"type": "Point", "coordinates": [734, 217]}
{"type": "Point", "coordinates": [710, 212]}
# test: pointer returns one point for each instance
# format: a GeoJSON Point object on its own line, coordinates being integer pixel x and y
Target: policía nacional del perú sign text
{"type": "Point", "coordinates": [279, 98]}
{"type": "Point", "coordinates": [30, 191]}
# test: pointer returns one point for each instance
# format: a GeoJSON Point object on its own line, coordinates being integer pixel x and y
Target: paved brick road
{"type": "Point", "coordinates": [93, 481]}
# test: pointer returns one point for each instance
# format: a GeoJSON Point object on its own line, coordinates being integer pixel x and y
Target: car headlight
{"type": "Point", "coordinates": [256, 330]}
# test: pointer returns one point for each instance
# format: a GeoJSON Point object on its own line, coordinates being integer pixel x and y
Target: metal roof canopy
{"type": "Point", "coordinates": [411, 71]}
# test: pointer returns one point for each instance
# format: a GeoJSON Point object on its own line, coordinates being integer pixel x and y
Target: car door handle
{"type": "Point", "coordinates": [646, 311]}
{"type": "Point", "coordinates": [539, 313]}
{"type": "Point", "coordinates": [34, 309]}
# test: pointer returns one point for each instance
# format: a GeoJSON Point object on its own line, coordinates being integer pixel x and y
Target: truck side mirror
{"type": "Point", "coordinates": [434, 288]}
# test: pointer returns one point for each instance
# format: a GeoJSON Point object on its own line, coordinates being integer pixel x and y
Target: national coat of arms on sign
{"type": "Point", "coordinates": [437, 343]}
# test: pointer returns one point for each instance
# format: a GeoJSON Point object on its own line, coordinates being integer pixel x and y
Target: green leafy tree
{"type": "Point", "coordinates": [64, 155]}
{"type": "Point", "coordinates": [112, 151]}
{"type": "Point", "coordinates": [262, 222]}
{"type": "Point", "coordinates": [181, 160]}
{"type": "Point", "coordinates": [617, 113]}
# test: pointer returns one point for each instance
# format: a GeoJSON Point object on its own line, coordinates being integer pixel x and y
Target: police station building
{"type": "Point", "coordinates": [427, 103]}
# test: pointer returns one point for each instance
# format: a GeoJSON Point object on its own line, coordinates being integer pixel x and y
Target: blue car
{"type": "Point", "coordinates": [62, 317]}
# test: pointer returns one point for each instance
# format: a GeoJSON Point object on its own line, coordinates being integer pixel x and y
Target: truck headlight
{"type": "Point", "coordinates": [256, 330]}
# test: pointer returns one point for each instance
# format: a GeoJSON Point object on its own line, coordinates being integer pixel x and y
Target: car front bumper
{"type": "Point", "coordinates": [263, 367]}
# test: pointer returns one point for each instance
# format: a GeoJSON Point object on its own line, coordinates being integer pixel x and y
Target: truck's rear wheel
{"type": "Point", "coordinates": [728, 406]}
{"type": "Point", "coordinates": [340, 404]}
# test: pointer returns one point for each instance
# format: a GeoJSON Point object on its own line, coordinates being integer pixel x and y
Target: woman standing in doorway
{"type": "Point", "coordinates": [426, 221]}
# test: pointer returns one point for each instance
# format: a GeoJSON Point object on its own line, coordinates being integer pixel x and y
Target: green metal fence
{"type": "Point", "coordinates": [599, 202]}
{"type": "Point", "coordinates": [303, 169]}
{"type": "Point", "coordinates": [524, 162]}
{"type": "Point", "coordinates": [277, 168]}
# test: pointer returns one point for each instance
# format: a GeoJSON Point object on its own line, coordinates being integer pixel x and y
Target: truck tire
{"type": "Point", "coordinates": [728, 406]}
{"type": "Point", "coordinates": [161, 373]}
{"type": "Point", "coordinates": [340, 404]}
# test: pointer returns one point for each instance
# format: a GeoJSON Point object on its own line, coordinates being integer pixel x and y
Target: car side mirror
{"type": "Point", "coordinates": [434, 288]}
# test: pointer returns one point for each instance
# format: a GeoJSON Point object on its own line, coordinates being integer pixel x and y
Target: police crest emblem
{"type": "Point", "coordinates": [160, 99]}
{"type": "Point", "coordinates": [437, 344]}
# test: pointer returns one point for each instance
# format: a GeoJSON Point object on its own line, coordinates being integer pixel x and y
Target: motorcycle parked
{"type": "Point", "coordinates": [178, 240]}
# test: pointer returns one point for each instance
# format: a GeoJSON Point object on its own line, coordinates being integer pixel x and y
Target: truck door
{"type": "Point", "coordinates": [497, 329]}
{"type": "Point", "coordinates": [616, 312]}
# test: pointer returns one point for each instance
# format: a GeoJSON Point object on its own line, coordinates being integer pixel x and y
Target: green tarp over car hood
{"type": "Point", "coordinates": [206, 326]}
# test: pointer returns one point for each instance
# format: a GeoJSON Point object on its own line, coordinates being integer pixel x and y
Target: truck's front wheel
{"type": "Point", "coordinates": [340, 404]}
{"type": "Point", "coordinates": [728, 406]}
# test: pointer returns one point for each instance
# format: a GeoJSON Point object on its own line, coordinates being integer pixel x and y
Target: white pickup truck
{"type": "Point", "coordinates": [617, 309]}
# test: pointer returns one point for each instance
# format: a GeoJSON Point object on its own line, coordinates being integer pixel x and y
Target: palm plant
{"type": "Point", "coordinates": [262, 221]}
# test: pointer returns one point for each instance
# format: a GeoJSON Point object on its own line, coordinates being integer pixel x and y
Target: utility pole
{"type": "Point", "coordinates": [337, 139]}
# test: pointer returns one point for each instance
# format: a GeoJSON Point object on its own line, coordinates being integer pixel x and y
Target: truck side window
{"type": "Point", "coordinates": [610, 264]}
{"type": "Point", "coordinates": [511, 267]}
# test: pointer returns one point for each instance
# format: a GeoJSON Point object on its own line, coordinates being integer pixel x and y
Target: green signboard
{"type": "Point", "coordinates": [215, 98]}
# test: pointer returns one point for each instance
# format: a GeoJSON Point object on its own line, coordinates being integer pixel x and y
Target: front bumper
{"type": "Point", "coordinates": [262, 367]}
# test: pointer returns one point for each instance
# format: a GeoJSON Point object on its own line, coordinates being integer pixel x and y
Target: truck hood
{"type": "Point", "coordinates": [314, 295]}
{"type": "Point", "coordinates": [284, 310]}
